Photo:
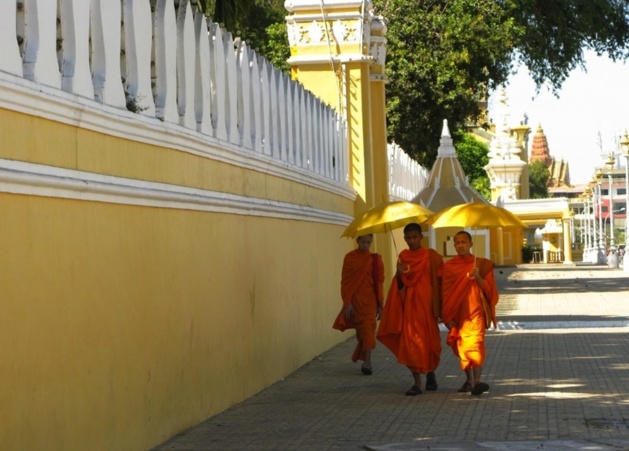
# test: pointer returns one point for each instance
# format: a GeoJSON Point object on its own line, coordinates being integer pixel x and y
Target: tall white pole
{"type": "Point", "coordinates": [625, 259]}
{"type": "Point", "coordinates": [612, 257]}
{"type": "Point", "coordinates": [599, 212]}
{"type": "Point", "coordinates": [601, 243]}
{"type": "Point", "coordinates": [612, 243]}
{"type": "Point", "coordinates": [624, 147]}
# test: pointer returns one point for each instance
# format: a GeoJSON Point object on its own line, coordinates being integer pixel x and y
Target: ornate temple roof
{"type": "Point", "coordinates": [447, 183]}
{"type": "Point", "coordinates": [539, 148]}
{"type": "Point", "coordinates": [559, 169]}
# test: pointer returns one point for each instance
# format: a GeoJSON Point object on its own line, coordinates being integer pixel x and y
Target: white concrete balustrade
{"type": "Point", "coordinates": [406, 177]}
{"type": "Point", "coordinates": [164, 60]}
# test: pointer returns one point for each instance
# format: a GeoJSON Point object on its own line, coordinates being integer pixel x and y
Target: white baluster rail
{"type": "Point", "coordinates": [171, 64]}
{"type": "Point", "coordinates": [406, 177]}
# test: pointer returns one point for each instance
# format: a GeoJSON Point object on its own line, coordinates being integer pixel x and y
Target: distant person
{"type": "Point", "coordinates": [469, 300]}
{"type": "Point", "coordinates": [362, 293]}
{"type": "Point", "coordinates": [409, 326]}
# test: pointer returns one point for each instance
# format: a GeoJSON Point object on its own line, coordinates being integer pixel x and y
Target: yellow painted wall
{"type": "Point", "coordinates": [123, 325]}
{"type": "Point", "coordinates": [65, 146]}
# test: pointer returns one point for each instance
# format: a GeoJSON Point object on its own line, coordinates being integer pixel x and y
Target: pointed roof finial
{"type": "Point", "coordinates": [446, 148]}
{"type": "Point", "coordinates": [445, 131]}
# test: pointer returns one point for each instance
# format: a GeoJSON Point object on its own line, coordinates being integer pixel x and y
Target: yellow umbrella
{"type": "Point", "coordinates": [386, 217]}
{"type": "Point", "coordinates": [475, 215]}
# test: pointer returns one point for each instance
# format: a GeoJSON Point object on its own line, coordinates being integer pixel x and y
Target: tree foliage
{"type": "Point", "coordinates": [259, 22]}
{"type": "Point", "coordinates": [440, 59]}
{"type": "Point", "coordinates": [444, 56]}
{"type": "Point", "coordinates": [473, 156]}
{"type": "Point", "coordinates": [538, 180]}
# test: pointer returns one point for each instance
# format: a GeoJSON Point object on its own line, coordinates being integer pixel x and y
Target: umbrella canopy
{"type": "Point", "coordinates": [475, 215]}
{"type": "Point", "coordinates": [386, 217]}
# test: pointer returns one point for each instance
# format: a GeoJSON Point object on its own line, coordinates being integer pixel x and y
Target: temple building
{"type": "Point", "coordinates": [548, 220]}
{"type": "Point", "coordinates": [558, 169]}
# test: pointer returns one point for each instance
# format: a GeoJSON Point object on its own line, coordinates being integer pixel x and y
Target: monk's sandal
{"type": "Point", "coordinates": [465, 388]}
{"type": "Point", "coordinates": [414, 391]}
{"type": "Point", "coordinates": [480, 388]}
{"type": "Point", "coordinates": [431, 382]}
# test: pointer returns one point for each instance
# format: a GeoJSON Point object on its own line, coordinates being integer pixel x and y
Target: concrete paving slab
{"type": "Point", "coordinates": [559, 380]}
{"type": "Point", "coordinates": [549, 445]}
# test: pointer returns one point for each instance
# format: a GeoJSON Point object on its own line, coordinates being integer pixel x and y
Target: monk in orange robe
{"type": "Point", "coordinates": [409, 326]}
{"type": "Point", "coordinates": [362, 293]}
{"type": "Point", "coordinates": [469, 300]}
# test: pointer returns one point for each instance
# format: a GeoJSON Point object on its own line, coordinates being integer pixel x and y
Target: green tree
{"type": "Point", "coordinates": [275, 49]}
{"type": "Point", "coordinates": [472, 154]}
{"type": "Point", "coordinates": [444, 56]}
{"type": "Point", "coordinates": [259, 22]}
{"type": "Point", "coordinates": [538, 180]}
{"type": "Point", "coordinates": [440, 59]}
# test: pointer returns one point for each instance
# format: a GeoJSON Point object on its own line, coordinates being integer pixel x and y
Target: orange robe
{"type": "Point", "coordinates": [463, 304]}
{"type": "Point", "coordinates": [357, 288]}
{"type": "Point", "coordinates": [409, 326]}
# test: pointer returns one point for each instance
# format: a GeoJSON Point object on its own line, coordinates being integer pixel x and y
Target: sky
{"type": "Point", "coordinates": [585, 122]}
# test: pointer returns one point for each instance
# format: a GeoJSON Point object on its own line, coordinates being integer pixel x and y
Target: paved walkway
{"type": "Point", "coordinates": [558, 368]}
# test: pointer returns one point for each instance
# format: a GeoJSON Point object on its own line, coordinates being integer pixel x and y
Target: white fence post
{"type": "Point", "coordinates": [10, 61]}
{"type": "Point", "coordinates": [244, 95]}
{"type": "Point", "coordinates": [186, 53]}
{"type": "Point", "coordinates": [75, 32]}
{"type": "Point", "coordinates": [217, 73]}
{"type": "Point", "coordinates": [40, 47]}
{"type": "Point", "coordinates": [201, 79]}
{"type": "Point", "coordinates": [203, 95]}
{"type": "Point", "coordinates": [256, 91]}
{"type": "Point", "coordinates": [282, 118]}
{"type": "Point", "coordinates": [137, 27]}
{"type": "Point", "coordinates": [274, 77]}
{"type": "Point", "coordinates": [265, 82]}
{"type": "Point", "coordinates": [165, 55]}
{"type": "Point", "coordinates": [291, 121]}
{"type": "Point", "coordinates": [232, 90]}
{"type": "Point", "coordinates": [105, 20]}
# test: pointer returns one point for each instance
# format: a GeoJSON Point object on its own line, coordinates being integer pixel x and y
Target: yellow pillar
{"type": "Point", "coordinates": [378, 128]}
{"type": "Point", "coordinates": [567, 241]}
{"type": "Point", "coordinates": [500, 254]}
{"type": "Point", "coordinates": [330, 56]}
{"type": "Point", "coordinates": [338, 52]}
